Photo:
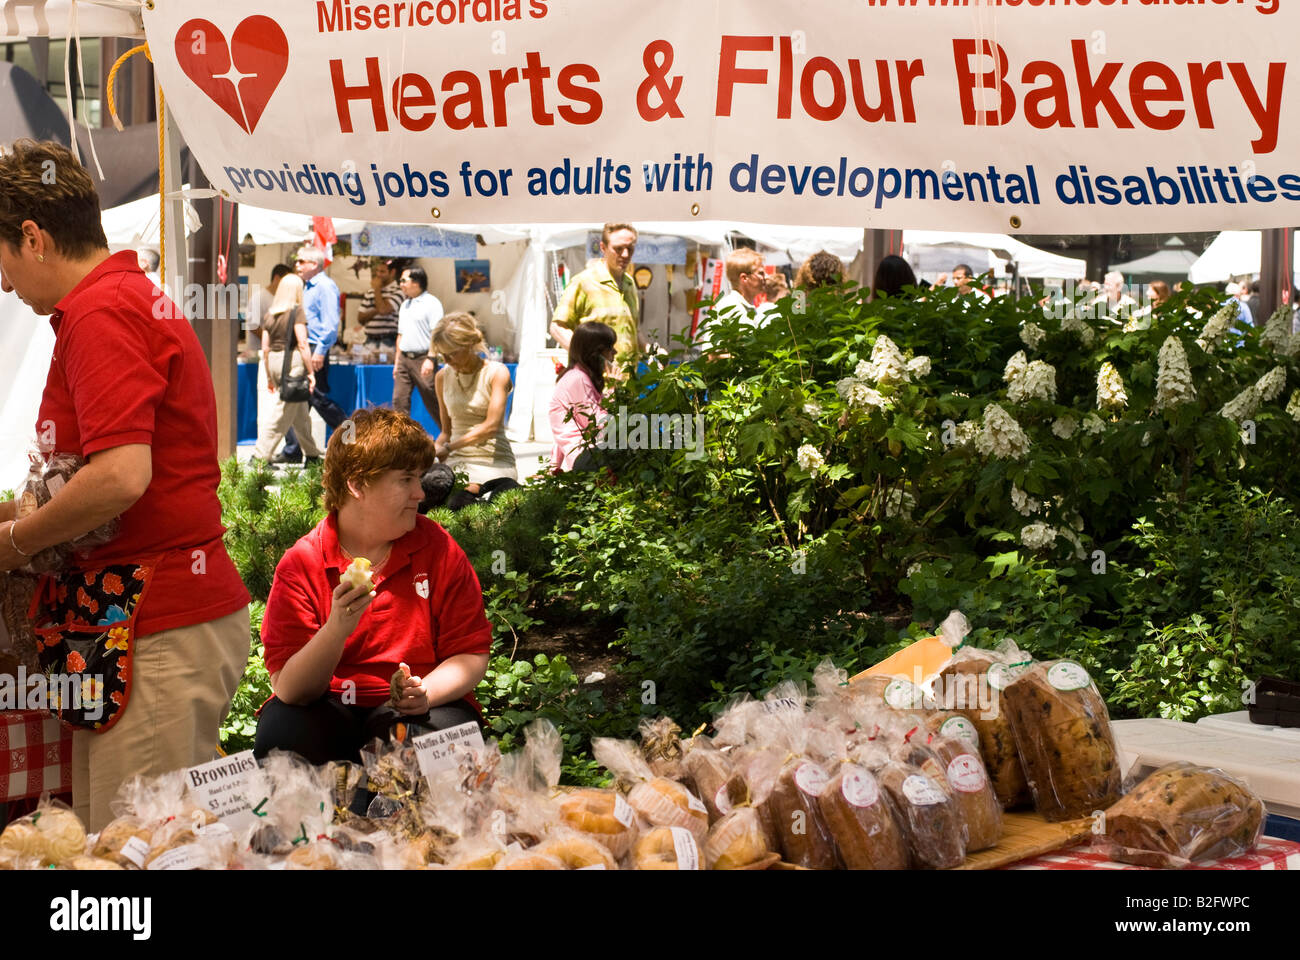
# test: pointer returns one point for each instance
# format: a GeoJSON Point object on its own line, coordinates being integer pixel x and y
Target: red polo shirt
{"type": "Point", "coordinates": [428, 607]}
{"type": "Point", "coordinates": [122, 374]}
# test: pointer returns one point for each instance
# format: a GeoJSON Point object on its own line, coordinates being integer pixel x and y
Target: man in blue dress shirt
{"type": "Point", "coordinates": [320, 304]}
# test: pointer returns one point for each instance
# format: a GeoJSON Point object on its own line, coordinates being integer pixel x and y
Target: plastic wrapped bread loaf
{"type": "Point", "coordinates": [1182, 813]}
{"type": "Point", "coordinates": [736, 841]}
{"type": "Point", "coordinates": [971, 683]}
{"type": "Point", "coordinates": [602, 814]}
{"type": "Point", "coordinates": [805, 839]}
{"type": "Point", "coordinates": [662, 802]}
{"type": "Point", "coordinates": [719, 785]}
{"type": "Point", "coordinates": [667, 848]}
{"type": "Point", "coordinates": [969, 786]}
{"type": "Point", "coordinates": [860, 817]}
{"type": "Point", "coordinates": [928, 815]}
{"type": "Point", "coordinates": [1062, 731]}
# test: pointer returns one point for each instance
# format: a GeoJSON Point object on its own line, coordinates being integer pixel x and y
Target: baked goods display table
{"type": "Point", "coordinates": [35, 756]}
{"type": "Point", "coordinates": [1271, 854]}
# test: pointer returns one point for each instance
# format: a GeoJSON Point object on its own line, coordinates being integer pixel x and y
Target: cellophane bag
{"type": "Point", "coordinates": [736, 841]}
{"type": "Point", "coordinates": [1062, 731]}
{"type": "Point", "coordinates": [1180, 814]}
{"type": "Point", "coordinates": [972, 685]}
{"type": "Point", "coordinates": [860, 817]}
{"type": "Point", "coordinates": [714, 775]}
{"type": "Point", "coordinates": [50, 835]}
{"type": "Point", "coordinates": [969, 786]}
{"type": "Point", "coordinates": [662, 747]}
{"type": "Point", "coordinates": [801, 780]}
{"type": "Point", "coordinates": [927, 814]}
{"type": "Point", "coordinates": [660, 801]}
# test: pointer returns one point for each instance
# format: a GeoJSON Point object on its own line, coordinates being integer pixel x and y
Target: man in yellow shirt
{"type": "Point", "coordinates": [604, 293]}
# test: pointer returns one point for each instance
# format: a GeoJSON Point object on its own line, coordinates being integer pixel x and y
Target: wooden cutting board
{"type": "Point", "coordinates": [1026, 835]}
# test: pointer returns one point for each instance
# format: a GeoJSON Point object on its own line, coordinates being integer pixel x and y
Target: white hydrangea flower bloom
{"type": "Point", "coordinates": [1146, 439]}
{"type": "Point", "coordinates": [1001, 436]}
{"type": "Point", "coordinates": [1073, 323]}
{"type": "Point", "coordinates": [1093, 424]}
{"type": "Point", "coordinates": [1015, 367]}
{"type": "Point", "coordinates": [1065, 426]}
{"type": "Point", "coordinates": [812, 408]}
{"type": "Point", "coordinates": [1277, 332]}
{"type": "Point", "coordinates": [1037, 382]}
{"type": "Point", "coordinates": [1036, 536]}
{"type": "Point", "coordinates": [1023, 503]}
{"type": "Point", "coordinates": [887, 364]}
{"type": "Point", "coordinates": [1110, 388]}
{"type": "Point", "coordinates": [1271, 384]}
{"type": "Point", "coordinates": [919, 366]}
{"type": "Point", "coordinates": [1032, 335]}
{"type": "Point", "coordinates": [810, 458]}
{"type": "Point", "coordinates": [1243, 405]}
{"type": "Point", "coordinates": [967, 431]}
{"type": "Point", "coordinates": [859, 395]}
{"type": "Point", "coordinates": [1174, 379]}
{"type": "Point", "coordinates": [899, 503]}
{"type": "Point", "coordinates": [1293, 407]}
{"type": "Point", "coordinates": [1217, 326]}
{"type": "Point", "coordinates": [914, 568]}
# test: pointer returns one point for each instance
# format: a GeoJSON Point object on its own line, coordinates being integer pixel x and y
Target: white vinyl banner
{"type": "Point", "coordinates": [1038, 116]}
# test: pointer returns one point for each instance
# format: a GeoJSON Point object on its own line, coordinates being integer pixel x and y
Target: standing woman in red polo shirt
{"type": "Point", "coordinates": [128, 390]}
{"type": "Point", "coordinates": [332, 649]}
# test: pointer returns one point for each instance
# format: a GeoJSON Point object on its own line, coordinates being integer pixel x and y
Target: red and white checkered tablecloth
{"type": "Point", "coordinates": [35, 755]}
{"type": "Point", "coordinates": [1271, 854]}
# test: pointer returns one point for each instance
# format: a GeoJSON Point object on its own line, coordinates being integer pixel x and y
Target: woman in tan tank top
{"type": "Point", "coordinates": [472, 395]}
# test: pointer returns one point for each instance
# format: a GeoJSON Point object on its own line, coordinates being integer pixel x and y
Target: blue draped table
{"type": "Point", "coordinates": [352, 387]}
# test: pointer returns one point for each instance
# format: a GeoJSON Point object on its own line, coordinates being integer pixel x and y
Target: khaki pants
{"type": "Point", "coordinates": [285, 415]}
{"type": "Point", "coordinates": [182, 682]}
{"type": "Point", "coordinates": [406, 374]}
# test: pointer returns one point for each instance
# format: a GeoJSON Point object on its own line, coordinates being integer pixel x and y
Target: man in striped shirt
{"type": "Point", "coordinates": [379, 305]}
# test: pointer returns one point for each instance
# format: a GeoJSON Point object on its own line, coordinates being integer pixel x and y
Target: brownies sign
{"type": "Point", "coordinates": [1036, 115]}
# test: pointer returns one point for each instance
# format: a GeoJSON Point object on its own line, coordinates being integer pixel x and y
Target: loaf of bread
{"type": "Point", "coordinates": [805, 840]}
{"type": "Point", "coordinates": [717, 784]}
{"type": "Point", "coordinates": [861, 821]}
{"type": "Point", "coordinates": [666, 848]}
{"type": "Point", "coordinates": [736, 841]}
{"type": "Point", "coordinates": [968, 785]}
{"type": "Point", "coordinates": [967, 688]}
{"type": "Point", "coordinates": [605, 815]}
{"type": "Point", "coordinates": [927, 814]}
{"type": "Point", "coordinates": [1063, 734]}
{"type": "Point", "coordinates": [1182, 813]}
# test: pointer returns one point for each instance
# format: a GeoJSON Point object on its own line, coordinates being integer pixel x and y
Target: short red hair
{"type": "Point", "coordinates": [367, 446]}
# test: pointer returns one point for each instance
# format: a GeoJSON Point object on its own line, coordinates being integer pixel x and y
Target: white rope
{"type": "Point", "coordinates": [74, 37]}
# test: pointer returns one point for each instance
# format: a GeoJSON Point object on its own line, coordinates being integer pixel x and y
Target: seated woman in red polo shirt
{"type": "Point", "coordinates": [332, 649]}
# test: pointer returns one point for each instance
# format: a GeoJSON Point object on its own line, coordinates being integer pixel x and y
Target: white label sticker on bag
{"type": "Point", "coordinates": [922, 791]}
{"type": "Point", "coordinates": [1002, 674]}
{"type": "Point", "coordinates": [904, 695]}
{"type": "Point", "coordinates": [1068, 675]}
{"type": "Point", "coordinates": [695, 803]}
{"type": "Point", "coordinates": [961, 728]}
{"type": "Point", "coordinates": [688, 852]}
{"type": "Point", "coordinates": [623, 811]}
{"type": "Point", "coordinates": [722, 800]}
{"type": "Point", "coordinates": [811, 779]}
{"type": "Point", "coordinates": [188, 857]}
{"type": "Point", "coordinates": [859, 786]}
{"type": "Point", "coordinates": [966, 774]}
{"type": "Point", "coordinates": [136, 850]}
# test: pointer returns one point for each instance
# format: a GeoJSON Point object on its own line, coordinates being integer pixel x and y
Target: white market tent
{"type": "Point", "coordinates": [934, 251]}
{"type": "Point", "coordinates": [1169, 262]}
{"type": "Point", "coordinates": [1234, 253]}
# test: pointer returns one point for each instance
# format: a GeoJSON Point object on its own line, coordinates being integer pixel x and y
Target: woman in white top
{"type": "Point", "coordinates": [285, 314]}
{"type": "Point", "coordinates": [472, 394]}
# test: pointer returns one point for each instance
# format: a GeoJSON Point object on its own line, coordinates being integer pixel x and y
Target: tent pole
{"type": "Point", "coordinates": [172, 238]}
{"type": "Point", "coordinates": [1274, 271]}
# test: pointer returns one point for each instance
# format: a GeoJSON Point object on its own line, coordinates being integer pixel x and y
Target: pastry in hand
{"type": "Point", "coordinates": [398, 682]}
{"type": "Point", "coordinates": [358, 574]}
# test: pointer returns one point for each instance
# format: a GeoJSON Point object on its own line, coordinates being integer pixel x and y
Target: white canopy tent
{"type": "Point", "coordinates": [925, 248]}
{"type": "Point", "coordinates": [1234, 253]}
{"type": "Point", "coordinates": [1174, 261]}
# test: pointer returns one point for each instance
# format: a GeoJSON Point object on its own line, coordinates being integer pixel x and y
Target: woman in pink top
{"type": "Point", "coordinates": [577, 397]}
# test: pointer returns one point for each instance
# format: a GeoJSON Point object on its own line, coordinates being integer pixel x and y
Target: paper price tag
{"type": "Point", "coordinates": [136, 850]}
{"type": "Point", "coordinates": [224, 787]}
{"type": "Point", "coordinates": [688, 851]}
{"type": "Point", "coordinates": [442, 749]}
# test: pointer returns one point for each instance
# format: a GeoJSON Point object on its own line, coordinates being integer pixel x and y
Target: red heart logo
{"type": "Point", "coordinates": [239, 77]}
